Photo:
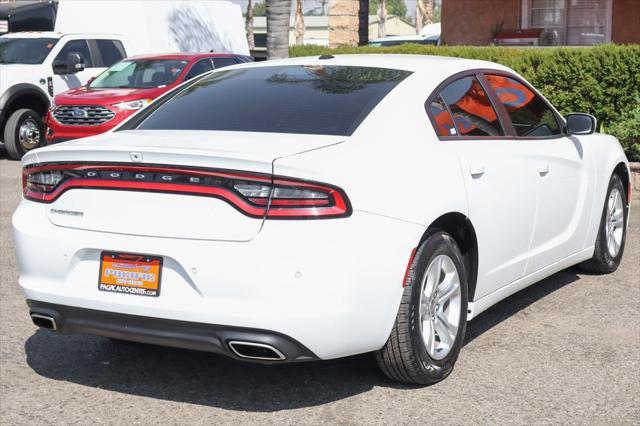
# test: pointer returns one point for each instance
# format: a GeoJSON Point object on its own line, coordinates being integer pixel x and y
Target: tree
{"type": "Point", "coordinates": [424, 14]}
{"type": "Point", "coordinates": [437, 11]}
{"type": "Point", "coordinates": [382, 18]}
{"type": "Point", "coordinates": [363, 22]}
{"type": "Point", "coordinates": [260, 9]}
{"type": "Point", "coordinates": [299, 28]}
{"type": "Point", "coordinates": [394, 7]}
{"type": "Point", "coordinates": [343, 22]}
{"type": "Point", "coordinates": [278, 13]}
{"type": "Point", "coordinates": [249, 26]}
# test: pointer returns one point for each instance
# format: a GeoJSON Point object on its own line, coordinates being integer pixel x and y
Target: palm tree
{"type": "Point", "coordinates": [249, 25]}
{"type": "Point", "coordinates": [424, 14]}
{"type": "Point", "coordinates": [278, 13]}
{"type": "Point", "coordinates": [363, 23]}
{"type": "Point", "coordinates": [343, 22]}
{"type": "Point", "coordinates": [382, 18]}
{"type": "Point", "coordinates": [299, 29]}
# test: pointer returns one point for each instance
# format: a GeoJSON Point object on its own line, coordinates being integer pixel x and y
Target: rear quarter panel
{"type": "Point", "coordinates": [393, 165]}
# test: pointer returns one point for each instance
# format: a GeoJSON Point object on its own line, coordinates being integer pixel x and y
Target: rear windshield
{"type": "Point", "coordinates": [327, 100]}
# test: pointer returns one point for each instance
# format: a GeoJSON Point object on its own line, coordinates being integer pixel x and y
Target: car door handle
{"type": "Point", "coordinates": [543, 170]}
{"type": "Point", "coordinates": [476, 170]}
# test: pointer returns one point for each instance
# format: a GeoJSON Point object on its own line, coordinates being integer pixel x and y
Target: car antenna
{"type": "Point", "coordinates": [326, 57]}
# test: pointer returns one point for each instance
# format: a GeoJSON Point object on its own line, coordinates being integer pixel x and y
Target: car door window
{"type": "Point", "coordinates": [471, 110]}
{"type": "Point", "coordinates": [76, 46]}
{"type": "Point", "coordinates": [199, 67]}
{"type": "Point", "coordinates": [111, 51]}
{"type": "Point", "coordinates": [530, 114]}
{"type": "Point", "coordinates": [223, 62]}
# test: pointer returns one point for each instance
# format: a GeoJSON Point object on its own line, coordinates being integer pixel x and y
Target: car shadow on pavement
{"type": "Point", "coordinates": [517, 302]}
{"type": "Point", "coordinates": [212, 380]}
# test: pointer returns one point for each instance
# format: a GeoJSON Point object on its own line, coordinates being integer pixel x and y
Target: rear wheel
{"type": "Point", "coordinates": [429, 329]}
{"type": "Point", "coordinates": [23, 132]}
{"type": "Point", "coordinates": [612, 232]}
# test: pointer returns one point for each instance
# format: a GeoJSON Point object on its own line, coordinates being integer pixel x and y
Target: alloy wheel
{"type": "Point", "coordinates": [440, 304]}
{"type": "Point", "coordinates": [614, 222]}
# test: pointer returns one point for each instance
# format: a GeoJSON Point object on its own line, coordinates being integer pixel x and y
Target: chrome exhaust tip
{"type": "Point", "coordinates": [256, 351]}
{"type": "Point", "coordinates": [44, 321]}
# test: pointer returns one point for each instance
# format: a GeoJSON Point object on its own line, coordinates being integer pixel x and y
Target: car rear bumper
{"type": "Point", "coordinates": [180, 334]}
{"type": "Point", "coordinates": [332, 285]}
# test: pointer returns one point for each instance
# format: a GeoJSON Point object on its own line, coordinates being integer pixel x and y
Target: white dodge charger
{"type": "Point", "coordinates": [316, 208]}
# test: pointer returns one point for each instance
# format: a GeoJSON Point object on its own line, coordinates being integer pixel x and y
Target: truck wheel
{"type": "Point", "coordinates": [23, 132]}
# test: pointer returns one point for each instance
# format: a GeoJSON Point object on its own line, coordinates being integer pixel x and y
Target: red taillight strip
{"type": "Point", "coordinates": [211, 191]}
{"type": "Point", "coordinates": [278, 208]}
{"type": "Point", "coordinates": [340, 207]}
{"type": "Point", "coordinates": [151, 169]}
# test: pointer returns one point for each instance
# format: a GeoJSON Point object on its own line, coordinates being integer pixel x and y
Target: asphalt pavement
{"type": "Point", "coordinates": [566, 350]}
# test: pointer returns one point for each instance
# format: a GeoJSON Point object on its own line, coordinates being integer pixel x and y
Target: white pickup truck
{"type": "Point", "coordinates": [36, 66]}
{"type": "Point", "coordinates": [87, 38]}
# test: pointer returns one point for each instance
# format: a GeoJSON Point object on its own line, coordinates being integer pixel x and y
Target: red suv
{"type": "Point", "coordinates": [124, 88]}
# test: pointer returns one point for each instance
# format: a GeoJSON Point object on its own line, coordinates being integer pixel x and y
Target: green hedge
{"type": "Point", "coordinates": [602, 80]}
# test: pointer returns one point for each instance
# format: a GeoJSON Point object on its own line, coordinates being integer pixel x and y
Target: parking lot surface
{"type": "Point", "coordinates": [566, 350]}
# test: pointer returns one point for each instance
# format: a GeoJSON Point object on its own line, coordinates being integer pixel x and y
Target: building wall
{"type": "Point", "coordinates": [394, 26]}
{"type": "Point", "coordinates": [471, 21]}
{"type": "Point", "coordinates": [626, 21]}
{"type": "Point", "coordinates": [319, 34]}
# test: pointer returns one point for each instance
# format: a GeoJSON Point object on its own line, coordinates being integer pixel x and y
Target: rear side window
{"type": "Point", "coordinates": [529, 113]}
{"type": "Point", "coordinates": [199, 67]}
{"type": "Point", "coordinates": [472, 111]}
{"type": "Point", "coordinates": [442, 121]}
{"type": "Point", "coordinates": [223, 62]}
{"type": "Point", "coordinates": [77, 46]}
{"type": "Point", "coordinates": [321, 100]}
{"type": "Point", "coordinates": [111, 51]}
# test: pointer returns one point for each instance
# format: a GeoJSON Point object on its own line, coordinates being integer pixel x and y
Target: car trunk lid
{"type": "Point", "coordinates": [142, 210]}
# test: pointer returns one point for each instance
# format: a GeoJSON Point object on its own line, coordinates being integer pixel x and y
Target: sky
{"type": "Point", "coordinates": [317, 4]}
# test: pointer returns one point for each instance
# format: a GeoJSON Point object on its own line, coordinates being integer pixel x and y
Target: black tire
{"type": "Point", "coordinates": [15, 148]}
{"type": "Point", "coordinates": [602, 261]}
{"type": "Point", "coordinates": [404, 358]}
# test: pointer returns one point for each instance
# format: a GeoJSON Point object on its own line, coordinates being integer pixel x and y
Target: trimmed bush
{"type": "Point", "coordinates": [602, 80]}
{"type": "Point", "coordinates": [627, 129]}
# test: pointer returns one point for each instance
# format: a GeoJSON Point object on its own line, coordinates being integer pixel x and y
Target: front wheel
{"type": "Point", "coordinates": [612, 232]}
{"type": "Point", "coordinates": [429, 329]}
{"type": "Point", "coordinates": [23, 132]}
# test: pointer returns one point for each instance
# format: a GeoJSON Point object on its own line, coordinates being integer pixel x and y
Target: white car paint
{"type": "Point", "coordinates": [334, 285]}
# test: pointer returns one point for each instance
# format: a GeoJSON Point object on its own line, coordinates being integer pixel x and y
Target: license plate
{"type": "Point", "coordinates": [130, 273]}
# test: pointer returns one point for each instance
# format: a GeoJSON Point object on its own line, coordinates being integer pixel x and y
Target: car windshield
{"type": "Point", "coordinates": [25, 50]}
{"type": "Point", "coordinates": [140, 74]}
{"type": "Point", "coordinates": [327, 100]}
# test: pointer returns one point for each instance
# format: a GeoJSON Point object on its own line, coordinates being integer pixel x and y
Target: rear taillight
{"type": "Point", "coordinates": [254, 195]}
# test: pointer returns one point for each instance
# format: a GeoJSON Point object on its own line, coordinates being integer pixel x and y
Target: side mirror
{"type": "Point", "coordinates": [581, 124]}
{"type": "Point", "coordinates": [71, 65]}
{"type": "Point", "coordinates": [90, 81]}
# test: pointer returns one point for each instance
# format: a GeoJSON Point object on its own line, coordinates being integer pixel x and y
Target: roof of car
{"type": "Point", "coordinates": [436, 66]}
{"type": "Point", "coordinates": [184, 56]}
